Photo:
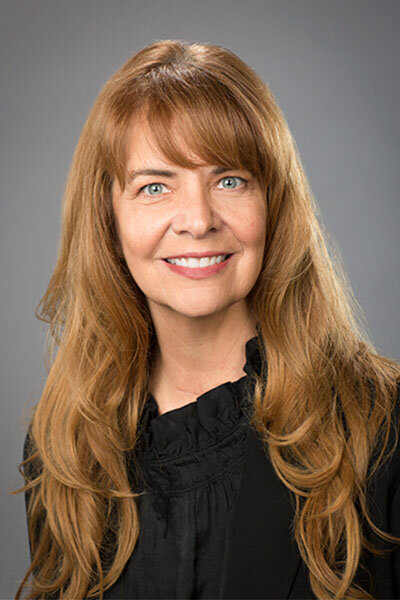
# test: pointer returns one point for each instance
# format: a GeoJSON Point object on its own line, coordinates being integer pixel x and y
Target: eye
{"type": "Point", "coordinates": [153, 189]}
{"type": "Point", "coordinates": [231, 182]}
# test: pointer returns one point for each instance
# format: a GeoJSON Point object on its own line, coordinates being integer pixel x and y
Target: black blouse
{"type": "Point", "coordinates": [191, 461]}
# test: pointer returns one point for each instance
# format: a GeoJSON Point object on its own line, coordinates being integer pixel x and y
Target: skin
{"type": "Point", "coordinates": [201, 324]}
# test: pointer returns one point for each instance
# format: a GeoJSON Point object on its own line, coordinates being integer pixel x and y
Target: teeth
{"type": "Point", "coordinates": [197, 263]}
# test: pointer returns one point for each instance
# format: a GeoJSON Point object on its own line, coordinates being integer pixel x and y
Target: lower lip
{"type": "Point", "coordinates": [199, 272]}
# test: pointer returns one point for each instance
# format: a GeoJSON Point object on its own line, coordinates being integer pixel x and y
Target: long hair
{"type": "Point", "coordinates": [323, 410]}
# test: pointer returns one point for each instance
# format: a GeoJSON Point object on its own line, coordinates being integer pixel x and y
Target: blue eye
{"type": "Point", "coordinates": [153, 189]}
{"type": "Point", "coordinates": [232, 182]}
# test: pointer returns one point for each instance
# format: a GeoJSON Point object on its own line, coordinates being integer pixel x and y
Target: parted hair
{"type": "Point", "coordinates": [325, 408]}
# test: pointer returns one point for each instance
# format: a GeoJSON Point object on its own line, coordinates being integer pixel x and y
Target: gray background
{"type": "Point", "coordinates": [333, 65]}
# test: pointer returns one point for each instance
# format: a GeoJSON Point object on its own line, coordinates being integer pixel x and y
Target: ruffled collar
{"type": "Point", "coordinates": [254, 356]}
{"type": "Point", "coordinates": [199, 423]}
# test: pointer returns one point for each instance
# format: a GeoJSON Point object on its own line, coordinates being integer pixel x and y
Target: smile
{"type": "Point", "coordinates": [200, 267]}
{"type": "Point", "coordinates": [198, 263]}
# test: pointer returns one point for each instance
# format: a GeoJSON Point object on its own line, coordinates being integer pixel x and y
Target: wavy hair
{"type": "Point", "coordinates": [325, 408]}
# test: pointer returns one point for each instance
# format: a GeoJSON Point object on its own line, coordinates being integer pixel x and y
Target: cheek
{"type": "Point", "coordinates": [253, 229]}
{"type": "Point", "coordinates": [134, 241]}
{"type": "Point", "coordinates": [136, 248]}
{"type": "Point", "coordinates": [139, 235]}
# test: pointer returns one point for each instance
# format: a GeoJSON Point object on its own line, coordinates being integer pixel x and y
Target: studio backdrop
{"type": "Point", "coordinates": [334, 69]}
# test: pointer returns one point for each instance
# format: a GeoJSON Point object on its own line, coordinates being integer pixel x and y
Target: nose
{"type": "Point", "coordinates": [195, 211]}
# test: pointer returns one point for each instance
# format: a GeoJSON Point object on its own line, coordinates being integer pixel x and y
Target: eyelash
{"type": "Point", "coordinates": [241, 179]}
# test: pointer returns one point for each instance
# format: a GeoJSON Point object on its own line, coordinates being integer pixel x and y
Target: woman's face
{"type": "Point", "coordinates": [193, 239]}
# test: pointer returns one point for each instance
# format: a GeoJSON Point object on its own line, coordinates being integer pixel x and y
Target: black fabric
{"type": "Point", "coordinates": [263, 559]}
{"type": "Point", "coordinates": [191, 461]}
{"type": "Point", "coordinates": [216, 521]}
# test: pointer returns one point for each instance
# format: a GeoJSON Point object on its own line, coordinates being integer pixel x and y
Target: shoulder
{"type": "Point", "coordinates": [383, 487]}
{"type": "Point", "coordinates": [31, 465]}
{"type": "Point", "coordinates": [391, 465]}
{"type": "Point", "coordinates": [28, 445]}
{"type": "Point", "coordinates": [382, 571]}
{"type": "Point", "coordinates": [395, 437]}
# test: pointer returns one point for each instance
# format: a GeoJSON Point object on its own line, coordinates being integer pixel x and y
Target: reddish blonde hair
{"type": "Point", "coordinates": [316, 413]}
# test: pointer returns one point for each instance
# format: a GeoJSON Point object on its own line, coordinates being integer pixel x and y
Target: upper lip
{"type": "Point", "coordinates": [199, 254]}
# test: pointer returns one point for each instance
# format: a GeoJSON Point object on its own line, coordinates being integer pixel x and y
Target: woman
{"type": "Point", "coordinates": [214, 423]}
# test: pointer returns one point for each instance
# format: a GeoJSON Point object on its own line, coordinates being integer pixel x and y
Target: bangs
{"type": "Point", "coordinates": [209, 123]}
{"type": "Point", "coordinates": [200, 113]}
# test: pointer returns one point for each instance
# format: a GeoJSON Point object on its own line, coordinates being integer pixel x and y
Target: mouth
{"type": "Point", "coordinates": [193, 262]}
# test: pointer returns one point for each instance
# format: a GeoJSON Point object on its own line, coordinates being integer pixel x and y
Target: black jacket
{"type": "Point", "coordinates": [263, 560]}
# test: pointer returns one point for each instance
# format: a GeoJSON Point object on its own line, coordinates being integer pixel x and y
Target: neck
{"type": "Point", "coordinates": [198, 354]}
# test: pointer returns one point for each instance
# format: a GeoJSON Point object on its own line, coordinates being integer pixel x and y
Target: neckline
{"type": "Point", "coordinates": [211, 416]}
{"type": "Point", "coordinates": [252, 365]}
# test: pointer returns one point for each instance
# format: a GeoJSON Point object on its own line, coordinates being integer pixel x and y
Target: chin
{"type": "Point", "coordinates": [203, 307]}
{"type": "Point", "coordinates": [193, 305]}
{"type": "Point", "coordinates": [197, 311]}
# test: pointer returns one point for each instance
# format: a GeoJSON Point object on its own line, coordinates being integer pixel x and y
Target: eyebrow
{"type": "Point", "coordinates": [166, 173]}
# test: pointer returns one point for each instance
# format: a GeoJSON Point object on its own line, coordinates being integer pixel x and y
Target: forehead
{"type": "Point", "coordinates": [142, 142]}
{"type": "Point", "coordinates": [145, 146]}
